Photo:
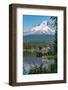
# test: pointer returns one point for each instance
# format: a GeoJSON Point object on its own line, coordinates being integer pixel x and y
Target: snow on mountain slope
{"type": "Point", "coordinates": [43, 28]}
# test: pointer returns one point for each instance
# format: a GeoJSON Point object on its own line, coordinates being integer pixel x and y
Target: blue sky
{"type": "Point", "coordinates": [32, 20]}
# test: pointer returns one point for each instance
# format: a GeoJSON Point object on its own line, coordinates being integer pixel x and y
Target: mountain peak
{"type": "Point", "coordinates": [43, 28]}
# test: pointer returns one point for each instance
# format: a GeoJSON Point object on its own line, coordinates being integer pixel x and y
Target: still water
{"type": "Point", "coordinates": [30, 60]}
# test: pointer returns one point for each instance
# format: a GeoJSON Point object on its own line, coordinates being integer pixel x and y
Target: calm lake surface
{"type": "Point", "coordinates": [30, 60]}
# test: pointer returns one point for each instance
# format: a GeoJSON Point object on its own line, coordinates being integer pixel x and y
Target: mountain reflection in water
{"type": "Point", "coordinates": [30, 61]}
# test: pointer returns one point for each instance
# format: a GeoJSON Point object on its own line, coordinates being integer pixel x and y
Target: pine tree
{"type": "Point", "coordinates": [54, 24]}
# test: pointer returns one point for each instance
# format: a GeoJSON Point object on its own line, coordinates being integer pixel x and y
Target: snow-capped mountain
{"type": "Point", "coordinates": [43, 28]}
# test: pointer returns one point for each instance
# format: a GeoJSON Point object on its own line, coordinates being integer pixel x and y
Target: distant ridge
{"type": "Point", "coordinates": [39, 38]}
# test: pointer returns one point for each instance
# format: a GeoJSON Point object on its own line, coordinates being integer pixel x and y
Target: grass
{"type": "Point", "coordinates": [30, 50]}
{"type": "Point", "coordinates": [40, 69]}
{"type": "Point", "coordinates": [37, 70]}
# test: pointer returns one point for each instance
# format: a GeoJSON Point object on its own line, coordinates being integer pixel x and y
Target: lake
{"type": "Point", "coordinates": [30, 60]}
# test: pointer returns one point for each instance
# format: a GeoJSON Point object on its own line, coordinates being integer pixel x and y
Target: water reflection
{"type": "Point", "coordinates": [31, 62]}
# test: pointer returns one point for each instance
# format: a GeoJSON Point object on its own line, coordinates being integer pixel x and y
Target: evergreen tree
{"type": "Point", "coordinates": [54, 24]}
